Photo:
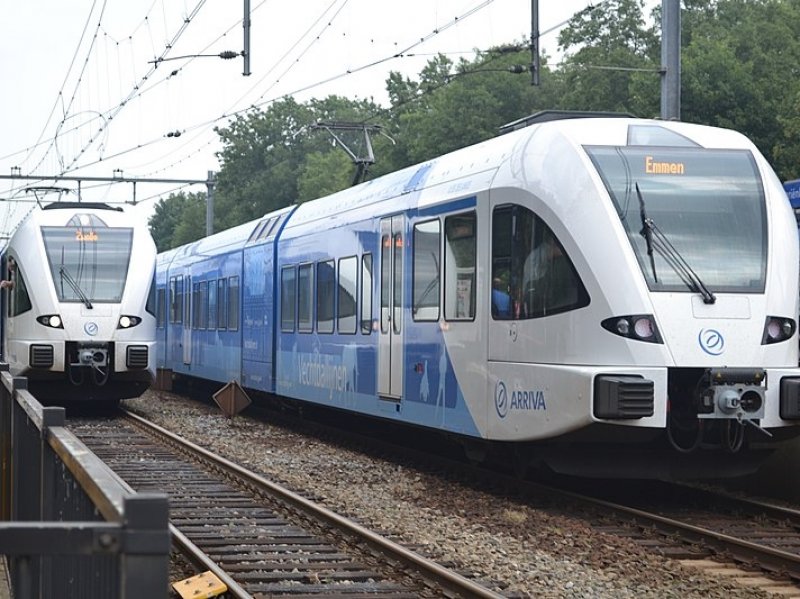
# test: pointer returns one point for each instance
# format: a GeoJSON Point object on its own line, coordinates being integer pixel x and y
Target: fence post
{"type": "Point", "coordinates": [48, 485]}
{"type": "Point", "coordinates": [144, 561]}
{"type": "Point", "coordinates": [5, 445]}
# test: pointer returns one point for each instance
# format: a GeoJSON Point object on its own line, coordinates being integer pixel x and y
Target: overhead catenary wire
{"type": "Point", "coordinates": [146, 84]}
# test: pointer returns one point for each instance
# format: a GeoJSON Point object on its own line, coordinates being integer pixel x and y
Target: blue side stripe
{"type": "Point", "coordinates": [454, 206]}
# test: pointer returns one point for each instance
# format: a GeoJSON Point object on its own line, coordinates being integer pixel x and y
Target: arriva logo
{"type": "Point", "coordinates": [91, 328]}
{"type": "Point", "coordinates": [711, 341]}
{"type": "Point", "coordinates": [501, 399]}
{"type": "Point", "coordinates": [519, 400]}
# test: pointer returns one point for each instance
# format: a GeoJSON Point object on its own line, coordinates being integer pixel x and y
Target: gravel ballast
{"type": "Point", "coordinates": [525, 551]}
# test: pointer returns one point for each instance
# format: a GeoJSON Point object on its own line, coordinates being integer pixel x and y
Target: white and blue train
{"type": "Point", "coordinates": [602, 295]}
{"type": "Point", "coordinates": [78, 306]}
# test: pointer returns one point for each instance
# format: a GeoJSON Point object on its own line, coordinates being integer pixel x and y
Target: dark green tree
{"type": "Point", "coordinates": [324, 173]}
{"type": "Point", "coordinates": [456, 105]}
{"type": "Point", "coordinates": [264, 155]}
{"type": "Point", "coordinates": [738, 64]}
{"type": "Point", "coordinates": [178, 210]}
{"type": "Point", "coordinates": [611, 60]}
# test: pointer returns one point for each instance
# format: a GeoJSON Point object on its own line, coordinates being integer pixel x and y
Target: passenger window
{"type": "Point", "coordinates": [530, 266]}
{"type": "Point", "coordinates": [150, 307]}
{"type": "Point", "coordinates": [397, 291]}
{"type": "Point", "coordinates": [222, 297]}
{"type": "Point", "coordinates": [196, 306]}
{"type": "Point", "coordinates": [348, 284]}
{"type": "Point", "coordinates": [233, 303]}
{"type": "Point", "coordinates": [19, 300]}
{"type": "Point", "coordinates": [288, 298]}
{"type": "Point", "coordinates": [426, 271]}
{"type": "Point", "coordinates": [305, 294]}
{"type": "Point", "coordinates": [184, 305]}
{"type": "Point", "coordinates": [326, 298]}
{"type": "Point", "coordinates": [461, 266]}
{"type": "Point", "coordinates": [176, 300]}
{"type": "Point", "coordinates": [212, 304]}
{"type": "Point", "coordinates": [386, 281]}
{"type": "Point", "coordinates": [203, 305]}
{"type": "Point", "coordinates": [366, 294]}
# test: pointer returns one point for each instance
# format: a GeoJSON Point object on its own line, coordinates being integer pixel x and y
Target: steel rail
{"type": "Point", "coordinates": [776, 560]}
{"type": "Point", "coordinates": [447, 579]}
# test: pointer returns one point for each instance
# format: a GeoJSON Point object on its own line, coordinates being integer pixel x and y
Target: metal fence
{"type": "Point", "coordinates": [69, 527]}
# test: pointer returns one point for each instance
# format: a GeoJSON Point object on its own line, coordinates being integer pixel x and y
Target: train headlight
{"type": "Point", "coordinates": [778, 329]}
{"type": "Point", "coordinates": [51, 320]}
{"type": "Point", "coordinates": [126, 322]}
{"type": "Point", "coordinates": [641, 327]}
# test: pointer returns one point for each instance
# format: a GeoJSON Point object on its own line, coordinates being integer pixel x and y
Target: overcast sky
{"type": "Point", "coordinates": [83, 95]}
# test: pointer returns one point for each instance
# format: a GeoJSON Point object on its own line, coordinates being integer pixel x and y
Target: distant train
{"type": "Point", "coordinates": [79, 303]}
{"type": "Point", "coordinates": [603, 296]}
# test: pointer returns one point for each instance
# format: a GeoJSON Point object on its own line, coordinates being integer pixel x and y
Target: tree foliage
{"type": "Point", "coordinates": [740, 62]}
{"type": "Point", "coordinates": [178, 219]}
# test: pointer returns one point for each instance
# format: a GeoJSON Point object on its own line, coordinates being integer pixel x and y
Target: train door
{"type": "Point", "coordinates": [390, 342]}
{"type": "Point", "coordinates": [187, 319]}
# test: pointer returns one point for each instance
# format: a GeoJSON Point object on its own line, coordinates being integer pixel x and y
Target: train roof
{"type": "Point", "coordinates": [230, 240]}
{"type": "Point", "coordinates": [472, 169]}
{"type": "Point", "coordinates": [462, 173]}
{"type": "Point", "coordinates": [81, 205]}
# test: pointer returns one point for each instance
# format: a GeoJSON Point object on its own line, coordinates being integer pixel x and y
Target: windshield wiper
{"type": "Point", "coordinates": [647, 232]}
{"type": "Point", "coordinates": [65, 276]}
{"type": "Point", "coordinates": [656, 239]}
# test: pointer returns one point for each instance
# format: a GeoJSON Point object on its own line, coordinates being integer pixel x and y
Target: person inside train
{"type": "Point", "coordinates": [8, 283]}
{"type": "Point", "coordinates": [501, 301]}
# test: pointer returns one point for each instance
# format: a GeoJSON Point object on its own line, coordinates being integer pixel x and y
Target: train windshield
{"type": "Point", "coordinates": [707, 204]}
{"type": "Point", "coordinates": [88, 264]}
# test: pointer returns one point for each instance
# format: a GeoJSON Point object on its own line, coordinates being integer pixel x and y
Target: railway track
{"type": "Point", "coordinates": [756, 542]}
{"type": "Point", "coordinates": [694, 524]}
{"type": "Point", "coordinates": [260, 539]}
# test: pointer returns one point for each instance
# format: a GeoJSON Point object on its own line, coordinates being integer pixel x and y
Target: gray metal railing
{"type": "Point", "coordinates": [69, 527]}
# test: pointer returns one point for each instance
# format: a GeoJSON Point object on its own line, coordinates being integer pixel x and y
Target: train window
{"type": "Point", "coordinates": [366, 294]}
{"type": "Point", "coordinates": [182, 292]}
{"type": "Point", "coordinates": [97, 261]}
{"type": "Point", "coordinates": [531, 273]}
{"type": "Point", "coordinates": [386, 281]}
{"type": "Point", "coordinates": [203, 305]}
{"type": "Point", "coordinates": [257, 231]}
{"type": "Point", "coordinates": [196, 306]}
{"type": "Point", "coordinates": [161, 307]}
{"type": "Point", "coordinates": [305, 291]}
{"type": "Point", "coordinates": [150, 306]}
{"type": "Point", "coordinates": [288, 298]}
{"type": "Point", "coordinates": [461, 266]}
{"type": "Point", "coordinates": [185, 290]}
{"type": "Point", "coordinates": [326, 298]}
{"type": "Point", "coordinates": [268, 228]}
{"type": "Point", "coordinates": [19, 300]}
{"type": "Point", "coordinates": [173, 299]}
{"type": "Point", "coordinates": [426, 271]}
{"type": "Point", "coordinates": [233, 303]}
{"type": "Point", "coordinates": [397, 292]}
{"type": "Point", "coordinates": [177, 316]}
{"type": "Point", "coordinates": [348, 284]}
{"type": "Point", "coordinates": [222, 296]}
{"type": "Point", "coordinates": [212, 304]}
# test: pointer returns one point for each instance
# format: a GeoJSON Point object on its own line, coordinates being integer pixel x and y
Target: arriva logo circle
{"type": "Point", "coordinates": [711, 341]}
{"type": "Point", "coordinates": [501, 399]}
{"type": "Point", "coordinates": [91, 328]}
